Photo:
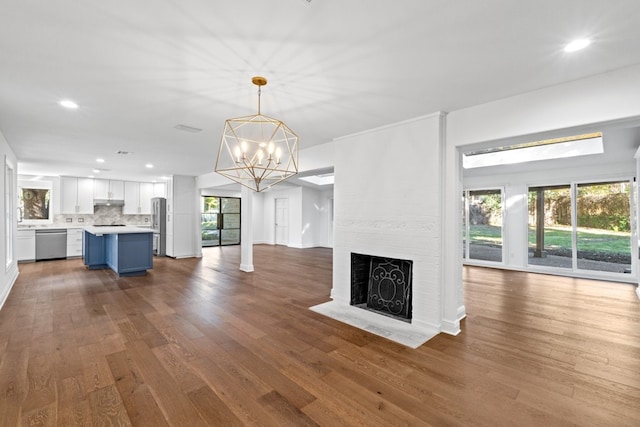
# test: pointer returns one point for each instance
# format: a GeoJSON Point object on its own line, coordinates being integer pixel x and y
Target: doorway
{"type": "Point", "coordinates": [220, 221]}
{"type": "Point", "coordinates": [282, 222]}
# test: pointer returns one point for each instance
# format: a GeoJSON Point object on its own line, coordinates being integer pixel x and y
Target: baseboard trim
{"type": "Point", "coordinates": [462, 312]}
{"type": "Point", "coordinates": [247, 268]}
{"type": "Point", "coordinates": [450, 327]}
{"type": "Point", "coordinates": [10, 283]}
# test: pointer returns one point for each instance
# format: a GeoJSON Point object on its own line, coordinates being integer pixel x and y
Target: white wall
{"type": "Point", "coordinates": [294, 196]}
{"type": "Point", "coordinates": [606, 97]}
{"type": "Point", "coordinates": [388, 204]}
{"type": "Point", "coordinates": [609, 100]}
{"type": "Point", "coordinates": [317, 157]}
{"type": "Point", "coordinates": [308, 216]}
{"type": "Point", "coordinates": [315, 206]}
{"type": "Point", "coordinates": [8, 273]}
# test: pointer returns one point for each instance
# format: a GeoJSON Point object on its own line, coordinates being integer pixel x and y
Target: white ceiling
{"type": "Point", "coordinates": [335, 67]}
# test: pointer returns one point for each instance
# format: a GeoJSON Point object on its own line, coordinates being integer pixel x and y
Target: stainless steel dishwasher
{"type": "Point", "coordinates": [51, 243]}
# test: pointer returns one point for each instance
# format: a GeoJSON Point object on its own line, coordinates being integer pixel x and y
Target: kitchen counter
{"type": "Point", "coordinates": [126, 250]}
{"type": "Point", "coordinates": [127, 229]}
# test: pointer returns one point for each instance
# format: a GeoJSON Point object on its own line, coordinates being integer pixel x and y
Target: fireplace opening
{"type": "Point", "coordinates": [383, 285]}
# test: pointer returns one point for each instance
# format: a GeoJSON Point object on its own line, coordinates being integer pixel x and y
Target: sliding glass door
{"type": "Point", "coordinates": [220, 221]}
{"type": "Point", "coordinates": [581, 226]}
{"type": "Point", "coordinates": [550, 232]}
{"type": "Point", "coordinates": [603, 227]}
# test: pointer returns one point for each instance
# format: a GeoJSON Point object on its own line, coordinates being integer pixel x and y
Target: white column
{"type": "Point", "coordinates": [453, 309]}
{"type": "Point", "coordinates": [246, 230]}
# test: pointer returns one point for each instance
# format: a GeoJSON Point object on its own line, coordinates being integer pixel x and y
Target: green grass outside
{"type": "Point", "coordinates": [560, 237]}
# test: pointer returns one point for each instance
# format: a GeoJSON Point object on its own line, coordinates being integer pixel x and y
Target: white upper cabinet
{"type": "Point", "coordinates": [77, 195]}
{"type": "Point", "coordinates": [131, 196]}
{"type": "Point", "coordinates": [85, 195]}
{"type": "Point", "coordinates": [159, 189]}
{"type": "Point", "coordinates": [146, 193]}
{"type": "Point", "coordinates": [108, 189]}
{"type": "Point", "coordinates": [137, 198]}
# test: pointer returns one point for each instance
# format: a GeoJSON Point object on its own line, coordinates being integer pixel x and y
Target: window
{"type": "Point", "coordinates": [9, 217]}
{"type": "Point", "coordinates": [34, 202]}
{"type": "Point", "coordinates": [556, 148]}
{"type": "Point", "coordinates": [482, 231]}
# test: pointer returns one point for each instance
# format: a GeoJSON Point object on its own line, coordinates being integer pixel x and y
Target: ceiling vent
{"type": "Point", "coordinates": [186, 128]}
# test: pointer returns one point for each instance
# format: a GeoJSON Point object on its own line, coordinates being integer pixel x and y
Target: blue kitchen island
{"type": "Point", "coordinates": [127, 250]}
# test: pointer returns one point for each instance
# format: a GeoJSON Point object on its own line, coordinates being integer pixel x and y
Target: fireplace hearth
{"type": "Point", "coordinates": [382, 285]}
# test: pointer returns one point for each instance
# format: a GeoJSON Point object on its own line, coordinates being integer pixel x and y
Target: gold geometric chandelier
{"type": "Point", "coordinates": [257, 151]}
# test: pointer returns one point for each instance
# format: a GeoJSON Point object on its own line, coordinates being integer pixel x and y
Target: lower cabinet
{"type": "Point", "coordinates": [128, 254]}
{"type": "Point", "coordinates": [74, 242]}
{"type": "Point", "coordinates": [26, 245]}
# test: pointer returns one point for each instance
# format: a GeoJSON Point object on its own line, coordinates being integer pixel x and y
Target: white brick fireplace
{"type": "Point", "coordinates": [388, 203]}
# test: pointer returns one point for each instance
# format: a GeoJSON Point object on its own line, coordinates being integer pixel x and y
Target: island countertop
{"type": "Point", "coordinates": [127, 229]}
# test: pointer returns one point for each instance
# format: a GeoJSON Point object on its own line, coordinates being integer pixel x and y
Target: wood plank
{"type": "Point", "coordinates": [177, 409]}
{"type": "Point", "coordinates": [233, 393]}
{"type": "Point", "coordinates": [137, 398]}
{"type": "Point", "coordinates": [44, 416]}
{"type": "Point", "coordinates": [212, 409]}
{"type": "Point", "coordinates": [284, 411]}
{"type": "Point", "coordinates": [95, 370]}
{"type": "Point", "coordinates": [41, 381]}
{"type": "Point", "coordinates": [14, 386]}
{"type": "Point", "coordinates": [107, 407]}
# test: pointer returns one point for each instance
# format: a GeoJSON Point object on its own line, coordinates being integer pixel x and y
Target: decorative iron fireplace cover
{"type": "Point", "coordinates": [382, 284]}
{"type": "Point", "coordinates": [390, 286]}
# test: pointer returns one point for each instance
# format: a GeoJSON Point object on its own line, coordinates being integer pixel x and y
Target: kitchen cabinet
{"type": "Point", "coordinates": [159, 189]}
{"type": "Point", "coordinates": [128, 252]}
{"type": "Point", "coordinates": [137, 198]}
{"type": "Point", "coordinates": [108, 189]}
{"type": "Point", "coordinates": [74, 242]}
{"type": "Point", "coordinates": [26, 245]}
{"type": "Point", "coordinates": [146, 193]}
{"type": "Point", "coordinates": [77, 195]}
{"type": "Point", "coordinates": [183, 233]}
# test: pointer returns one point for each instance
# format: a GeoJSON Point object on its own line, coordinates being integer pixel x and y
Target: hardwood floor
{"type": "Point", "coordinates": [198, 342]}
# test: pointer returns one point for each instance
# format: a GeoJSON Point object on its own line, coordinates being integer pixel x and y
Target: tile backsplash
{"type": "Point", "coordinates": [103, 215]}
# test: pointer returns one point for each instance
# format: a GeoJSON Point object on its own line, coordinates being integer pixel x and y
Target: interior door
{"type": "Point", "coordinates": [282, 222]}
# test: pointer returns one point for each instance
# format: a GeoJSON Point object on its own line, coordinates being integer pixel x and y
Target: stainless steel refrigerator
{"type": "Point", "coordinates": [159, 225]}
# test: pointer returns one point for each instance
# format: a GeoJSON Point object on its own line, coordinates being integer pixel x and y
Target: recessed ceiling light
{"type": "Point", "coordinates": [100, 160]}
{"type": "Point", "coordinates": [96, 171]}
{"type": "Point", "coordinates": [67, 103]}
{"type": "Point", "coordinates": [90, 176]}
{"type": "Point", "coordinates": [577, 45]}
{"type": "Point", "coordinates": [148, 165]}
